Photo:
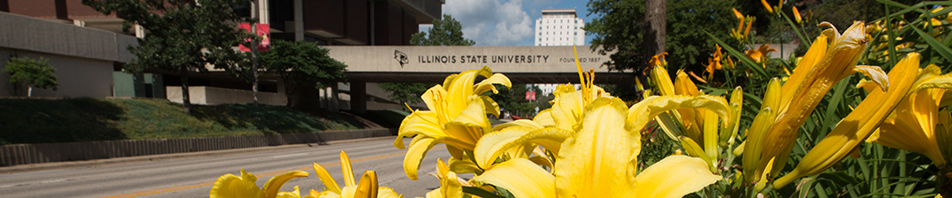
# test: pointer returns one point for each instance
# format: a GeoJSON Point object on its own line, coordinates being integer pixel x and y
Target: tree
{"type": "Point", "coordinates": [514, 100]}
{"type": "Point", "coordinates": [302, 63]}
{"type": "Point", "coordinates": [405, 93]}
{"type": "Point", "coordinates": [619, 26]}
{"type": "Point", "coordinates": [31, 73]}
{"type": "Point", "coordinates": [445, 32]}
{"type": "Point", "coordinates": [181, 35]}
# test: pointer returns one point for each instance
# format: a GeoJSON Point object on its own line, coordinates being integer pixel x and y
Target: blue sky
{"type": "Point", "coordinates": [505, 22]}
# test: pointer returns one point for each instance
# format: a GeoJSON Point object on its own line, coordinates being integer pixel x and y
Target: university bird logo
{"type": "Point", "coordinates": [401, 57]}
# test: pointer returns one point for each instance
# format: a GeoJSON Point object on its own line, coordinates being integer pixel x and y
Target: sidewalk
{"type": "Point", "coordinates": [98, 162]}
{"type": "Point", "coordinates": [25, 154]}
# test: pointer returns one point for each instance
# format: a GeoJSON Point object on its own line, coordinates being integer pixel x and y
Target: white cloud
{"type": "Point", "coordinates": [492, 22]}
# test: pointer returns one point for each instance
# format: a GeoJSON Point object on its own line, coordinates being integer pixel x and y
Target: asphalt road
{"type": "Point", "coordinates": [192, 175]}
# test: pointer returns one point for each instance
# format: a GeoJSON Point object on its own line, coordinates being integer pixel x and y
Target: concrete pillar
{"type": "Point", "coordinates": [299, 21]}
{"type": "Point", "coordinates": [263, 14]}
{"type": "Point", "coordinates": [358, 96]}
{"type": "Point", "coordinates": [334, 100]}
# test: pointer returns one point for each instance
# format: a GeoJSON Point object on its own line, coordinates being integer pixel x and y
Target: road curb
{"type": "Point", "coordinates": [19, 156]}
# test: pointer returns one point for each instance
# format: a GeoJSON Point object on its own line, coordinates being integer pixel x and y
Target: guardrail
{"type": "Point", "coordinates": [19, 154]}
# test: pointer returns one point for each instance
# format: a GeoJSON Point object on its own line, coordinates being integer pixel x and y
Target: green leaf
{"type": "Point", "coordinates": [935, 44]}
{"type": "Point", "coordinates": [480, 192]}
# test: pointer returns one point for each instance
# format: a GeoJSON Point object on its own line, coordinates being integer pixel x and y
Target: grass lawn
{"type": "Point", "coordinates": [95, 119]}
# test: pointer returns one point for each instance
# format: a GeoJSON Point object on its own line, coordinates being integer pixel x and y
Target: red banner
{"type": "Point", "coordinates": [263, 30]}
{"type": "Point", "coordinates": [530, 95]}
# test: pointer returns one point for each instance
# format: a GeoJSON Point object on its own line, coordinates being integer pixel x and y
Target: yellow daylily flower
{"type": "Point", "coordinates": [816, 73]}
{"type": "Point", "coordinates": [738, 15]}
{"type": "Point", "coordinates": [912, 126]}
{"type": "Point", "coordinates": [229, 185]}
{"type": "Point", "coordinates": [457, 117]}
{"type": "Point", "coordinates": [714, 63]}
{"type": "Point", "coordinates": [600, 158]}
{"type": "Point", "coordinates": [367, 188]}
{"type": "Point", "coordinates": [450, 185]}
{"type": "Point", "coordinates": [796, 15]}
{"type": "Point", "coordinates": [904, 79]}
{"type": "Point", "coordinates": [767, 6]}
{"type": "Point", "coordinates": [557, 123]}
{"type": "Point", "coordinates": [758, 54]}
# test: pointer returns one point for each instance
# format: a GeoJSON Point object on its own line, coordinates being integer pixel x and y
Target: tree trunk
{"type": "Point", "coordinates": [655, 29]}
{"type": "Point", "coordinates": [254, 60]}
{"type": "Point", "coordinates": [288, 92]}
{"type": "Point", "coordinates": [185, 101]}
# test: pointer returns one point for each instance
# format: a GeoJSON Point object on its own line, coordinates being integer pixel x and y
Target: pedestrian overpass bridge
{"type": "Point", "coordinates": [431, 64]}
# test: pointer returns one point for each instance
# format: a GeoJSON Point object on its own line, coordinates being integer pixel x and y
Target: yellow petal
{"type": "Point", "coordinates": [295, 194]}
{"type": "Point", "coordinates": [469, 125]}
{"type": "Point", "coordinates": [796, 14]}
{"type": "Point", "coordinates": [347, 170]}
{"type": "Point", "coordinates": [368, 185]}
{"type": "Point", "coordinates": [566, 107]}
{"type": "Point", "coordinates": [647, 109]}
{"type": "Point", "coordinates": [544, 118]}
{"type": "Point", "coordinates": [813, 56]}
{"type": "Point", "coordinates": [326, 178]}
{"type": "Point", "coordinates": [386, 192]}
{"type": "Point", "coordinates": [274, 184]}
{"type": "Point", "coordinates": [521, 177]}
{"type": "Point", "coordinates": [460, 88]}
{"type": "Point", "coordinates": [464, 166]}
{"type": "Point", "coordinates": [450, 186]}
{"type": "Point", "coordinates": [710, 135]}
{"type": "Point", "coordinates": [659, 75]}
{"type": "Point", "coordinates": [729, 132]}
{"type": "Point", "coordinates": [229, 185]}
{"type": "Point", "coordinates": [491, 106]}
{"type": "Point", "coordinates": [753, 148]}
{"type": "Point", "coordinates": [494, 144]}
{"type": "Point", "coordinates": [767, 6]}
{"type": "Point", "coordinates": [441, 168]}
{"type": "Point", "coordinates": [737, 14]}
{"type": "Point", "coordinates": [411, 163]}
{"type": "Point", "coordinates": [674, 176]}
{"type": "Point", "coordinates": [693, 149]}
{"type": "Point", "coordinates": [433, 97]}
{"type": "Point", "coordinates": [943, 134]}
{"type": "Point", "coordinates": [600, 160]}
{"type": "Point", "coordinates": [488, 83]}
{"type": "Point", "coordinates": [522, 123]}
{"type": "Point", "coordinates": [914, 124]}
{"type": "Point", "coordinates": [423, 123]}
{"type": "Point", "coordinates": [875, 74]}
{"type": "Point", "coordinates": [683, 84]}
{"type": "Point", "coordinates": [932, 78]}
{"type": "Point", "coordinates": [313, 194]}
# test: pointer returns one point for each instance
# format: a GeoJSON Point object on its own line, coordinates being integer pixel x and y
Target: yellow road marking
{"type": "Point", "coordinates": [266, 174]}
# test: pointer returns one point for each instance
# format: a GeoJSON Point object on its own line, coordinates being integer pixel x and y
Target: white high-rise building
{"type": "Point", "coordinates": [559, 27]}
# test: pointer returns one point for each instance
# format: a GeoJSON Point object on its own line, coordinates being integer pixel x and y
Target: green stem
{"type": "Point", "coordinates": [794, 26]}
{"type": "Point", "coordinates": [943, 182]}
